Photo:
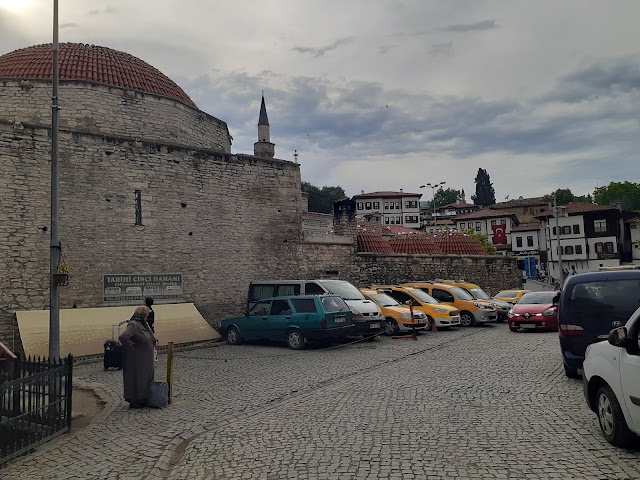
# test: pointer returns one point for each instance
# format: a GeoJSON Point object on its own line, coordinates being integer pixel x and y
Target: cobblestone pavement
{"type": "Point", "coordinates": [465, 404]}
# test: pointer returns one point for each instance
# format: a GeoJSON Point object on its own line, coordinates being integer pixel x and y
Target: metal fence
{"type": "Point", "coordinates": [35, 403]}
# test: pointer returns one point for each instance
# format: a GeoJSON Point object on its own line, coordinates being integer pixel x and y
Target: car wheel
{"type": "Point", "coordinates": [513, 329]}
{"type": "Point", "coordinates": [391, 327]}
{"type": "Point", "coordinates": [233, 336]}
{"type": "Point", "coordinates": [295, 340]}
{"type": "Point", "coordinates": [570, 371]}
{"type": "Point", "coordinates": [466, 319]}
{"type": "Point", "coordinates": [429, 323]}
{"type": "Point", "coordinates": [612, 422]}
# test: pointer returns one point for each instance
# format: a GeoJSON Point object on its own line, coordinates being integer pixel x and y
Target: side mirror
{"type": "Point", "coordinates": [556, 300]}
{"type": "Point", "coordinates": [618, 337]}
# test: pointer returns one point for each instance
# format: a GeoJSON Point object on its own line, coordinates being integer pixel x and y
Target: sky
{"type": "Point", "coordinates": [392, 94]}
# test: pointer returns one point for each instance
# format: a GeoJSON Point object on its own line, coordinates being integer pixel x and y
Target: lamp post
{"type": "Point", "coordinates": [433, 200]}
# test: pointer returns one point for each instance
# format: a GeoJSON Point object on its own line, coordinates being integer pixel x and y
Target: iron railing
{"type": "Point", "coordinates": [35, 403]}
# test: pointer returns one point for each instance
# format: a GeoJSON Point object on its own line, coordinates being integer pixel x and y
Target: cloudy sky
{"type": "Point", "coordinates": [390, 94]}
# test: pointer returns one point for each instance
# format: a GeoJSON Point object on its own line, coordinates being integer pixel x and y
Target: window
{"type": "Point", "coordinates": [392, 206]}
{"type": "Point", "coordinates": [518, 241]}
{"type": "Point", "coordinates": [401, 297]}
{"type": "Point", "coordinates": [393, 220]}
{"type": "Point", "coordinates": [599, 247]}
{"type": "Point", "coordinates": [138, 207]}
{"type": "Point", "coordinates": [397, 205]}
{"type": "Point", "coordinates": [470, 225]}
{"type": "Point", "coordinates": [530, 241]}
{"type": "Point", "coordinates": [386, 205]}
{"type": "Point", "coordinates": [531, 211]}
{"type": "Point", "coordinates": [410, 204]}
{"type": "Point", "coordinates": [304, 305]}
{"type": "Point", "coordinates": [578, 249]}
{"type": "Point", "coordinates": [410, 219]}
{"type": "Point", "coordinates": [633, 225]}
{"type": "Point", "coordinates": [399, 220]}
{"type": "Point", "coordinates": [568, 250]}
{"type": "Point", "coordinates": [360, 206]}
{"type": "Point", "coordinates": [576, 229]}
{"type": "Point", "coordinates": [566, 230]}
{"type": "Point", "coordinates": [260, 308]}
{"type": "Point", "coordinates": [503, 222]}
{"type": "Point", "coordinates": [493, 222]}
{"type": "Point", "coordinates": [386, 220]}
{"type": "Point", "coordinates": [442, 295]}
{"type": "Point", "coordinates": [280, 307]}
{"type": "Point", "coordinates": [368, 205]}
{"type": "Point", "coordinates": [554, 231]}
{"type": "Point", "coordinates": [608, 247]}
{"type": "Point", "coordinates": [599, 225]}
{"type": "Point", "coordinates": [312, 288]}
{"type": "Point", "coordinates": [478, 226]}
{"type": "Point", "coordinates": [282, 290]}
{"type": "Point", "coordinates": [376, 205]}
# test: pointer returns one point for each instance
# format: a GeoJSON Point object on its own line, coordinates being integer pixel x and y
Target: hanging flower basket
{"type": "Point", "coordinates": [61, 279]}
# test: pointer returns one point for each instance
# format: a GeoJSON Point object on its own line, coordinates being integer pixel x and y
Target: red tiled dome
{"type": "Point", "coordinates": [91, 63]}
{"type": "Point", "coordinates": [456, 243]}
{"type": "Point", "coordinates": [373, 243]}
{"type": "Point", "coordinates": [414, 243]}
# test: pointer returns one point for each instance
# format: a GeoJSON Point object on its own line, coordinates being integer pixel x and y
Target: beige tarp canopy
{"type": "Point", "coordinates": [84, 330]}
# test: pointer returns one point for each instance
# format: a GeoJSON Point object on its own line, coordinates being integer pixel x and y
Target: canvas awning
{"type": "Point", "coordinates": [84, 330]}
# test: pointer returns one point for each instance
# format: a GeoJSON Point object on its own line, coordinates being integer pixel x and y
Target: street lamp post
{"type": "Point", "coordinates": [433, 200]}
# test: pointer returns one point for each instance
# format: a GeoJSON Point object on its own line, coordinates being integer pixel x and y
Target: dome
{"type": "Point", "coordinates": [415, 244]}
{"type": "Point", "coordinates": [456, 243]}
{"type": "Point", "coordinates": [91, 63]}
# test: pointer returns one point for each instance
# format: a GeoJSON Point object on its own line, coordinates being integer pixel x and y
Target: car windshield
{"type": "Point", "coordinates": [384, 300]}
{"type": "Point", "coordinates": [537, 298]}
{"type": "Point", "coordinates": [506, 294]}
{"type": "Point", "coordinates": [343, 289]}
{"type": "Point", "coordinates": [461, 294]}
{"type": "Point", "coordinates": [479, 293]}
{"type": "Point", "coordinates": [333, 304]}
{"type": "Point", "coordinates": [423, 297]}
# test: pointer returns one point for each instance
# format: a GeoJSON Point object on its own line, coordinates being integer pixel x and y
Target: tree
{"type": "Point", "coordinates": [482, 239]}
{"type": "Point", "coordinates": [444, 197]}
{"type": "Point", "coordinates": [627, 193]}
{"type": "Point", "coordinates": [565, 196]}
{"type": "Point", "coordinates": [485, 194]}
{"type": "Point", "coordinates": [321, 199]}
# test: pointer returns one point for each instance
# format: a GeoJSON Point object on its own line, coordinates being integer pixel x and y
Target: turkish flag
{"type": "Point", "coordinates": [499, 234]}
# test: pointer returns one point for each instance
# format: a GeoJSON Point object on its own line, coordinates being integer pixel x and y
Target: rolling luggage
{"type": "Point", "coordinates": [113, 351]}
{"type": "Point", "coordinates": [159, 396]}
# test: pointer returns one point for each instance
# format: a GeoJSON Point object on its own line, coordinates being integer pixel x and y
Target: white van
{"type": "Point", "coordinates": [367, 317]}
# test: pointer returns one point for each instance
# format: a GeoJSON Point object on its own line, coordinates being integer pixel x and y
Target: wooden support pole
{"type": "Point", "coordinates": [170, 368]}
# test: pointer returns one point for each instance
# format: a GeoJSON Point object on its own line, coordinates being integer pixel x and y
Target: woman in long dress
{"type": "Point", "coordinates": [138, 342]}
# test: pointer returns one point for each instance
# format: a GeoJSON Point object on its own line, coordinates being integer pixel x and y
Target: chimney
{"type": "Point", "coordinates": [401, 191]}
{"type": "Point", "coordinates": [361, 192]}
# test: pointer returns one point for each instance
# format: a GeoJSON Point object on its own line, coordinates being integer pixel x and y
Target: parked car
{"type": "Point", "coordinates": [472, 311]}
{"type": "Point", "coordinates": [611, 385]}
{"type": "Point", "coordinates": [398, 317]}
{"type": "Point", "coordinates": [445, 316]}
{"type": "Point", "coordinates": [293, 319]}
{"type": "Point", "coordinates": [535, 311]}
{"type": "Point", "coordinates": [592, 304]}
{"type": "Point", "coordinates": [475, 291]}
{"type": "Point", "coordinates": [510, 296]}
{"type": "Point", "coordinates": [367, 317]}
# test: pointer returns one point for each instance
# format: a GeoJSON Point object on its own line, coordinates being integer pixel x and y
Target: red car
{"type": "Point", "coordinates": [534, 311]}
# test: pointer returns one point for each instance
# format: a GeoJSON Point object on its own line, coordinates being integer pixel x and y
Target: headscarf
{"type": "Point", "coordinates": [140, 313]}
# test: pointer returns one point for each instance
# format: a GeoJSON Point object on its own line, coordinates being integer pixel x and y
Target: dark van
{"type": "Point", "coordinates": [592, 304]}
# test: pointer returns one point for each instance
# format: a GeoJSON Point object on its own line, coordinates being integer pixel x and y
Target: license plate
{"type": "Point", "coordinates": [527, 325]}
{"type": "Point", "coordinates": [374, 325]}
{"type": "Point", "coordinates": [339, 319]}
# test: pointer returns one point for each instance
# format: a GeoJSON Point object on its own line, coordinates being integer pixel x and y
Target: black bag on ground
{"type": "Point", "coordinates": [159, 396]}
{"type": "Point", "coordinates": [113, 351]}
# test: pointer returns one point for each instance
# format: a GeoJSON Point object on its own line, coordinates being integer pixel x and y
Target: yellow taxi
{"type": "Point", "coordinates": [445, 316]}
{"type": "Point", "coordinates": [472, 310]}
{"type": "Point", "coordinates": [476, 292]}
{"type": "Point", "coordinates": [397, 317]}
{"type": "Point", "coordinates": [510, 296]}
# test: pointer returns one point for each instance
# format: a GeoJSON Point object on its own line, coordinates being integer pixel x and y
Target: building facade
{"type": "Point", "coordinates": [397, 208]}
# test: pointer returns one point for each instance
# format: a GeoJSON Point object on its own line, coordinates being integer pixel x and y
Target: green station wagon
{"type": "Point", "coordinates": [294, 319]}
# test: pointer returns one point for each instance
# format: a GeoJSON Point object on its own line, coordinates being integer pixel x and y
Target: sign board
{"type": "Point", "coordinates": [136, 287]}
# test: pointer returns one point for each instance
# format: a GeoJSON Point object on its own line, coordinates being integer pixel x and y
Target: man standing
{"type": "Point", "coordinates": [152, 315]}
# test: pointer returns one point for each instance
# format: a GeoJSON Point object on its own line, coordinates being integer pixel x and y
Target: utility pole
{"type": "Point", "coordinates": [556, 210]}
{"type": "Point", "coordinates": [54, 294]}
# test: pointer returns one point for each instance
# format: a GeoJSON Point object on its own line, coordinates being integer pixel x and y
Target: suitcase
{"type": "Point", "coordinates": [159, 396]}
{"type": "Point", "coordinates": [113, 351]}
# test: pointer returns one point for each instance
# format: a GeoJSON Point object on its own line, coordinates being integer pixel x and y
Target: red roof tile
{"type": "Point", "coordinates": [456, 243]}
{"type": "Point", "coordinates": [91, 63]}
{"type": "Point", "coordinates": [414, 243]}
{"type": "Point", "coordinates": [485, 213]}
{"type": "Point", "coordinates": [372, 242]}
{"type": "Point", "coordinates": [396, 229]}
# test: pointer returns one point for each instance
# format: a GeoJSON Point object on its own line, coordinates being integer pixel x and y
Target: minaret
{"type": "Point", "coordinates": [263, 147]}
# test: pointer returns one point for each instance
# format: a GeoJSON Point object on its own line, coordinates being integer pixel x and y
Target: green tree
{"type": "Point", "coordinates": [444, 197]}
{"type": "Point", "coordinates": [482, 240]}
{"type": "Point", "coordinates": [485, 194]}
{"type": "Point", "coordinates": [565, 196]}
{"type": "Point", "coordinates": [627, 193]}
{"type": "Point", "coordinates": [321, 199]}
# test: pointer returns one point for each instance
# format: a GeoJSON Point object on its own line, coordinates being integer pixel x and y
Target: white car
{"type": "Point", "coordinates": [611, 380]}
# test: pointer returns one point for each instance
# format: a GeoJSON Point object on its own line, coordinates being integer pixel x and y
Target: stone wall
{"type": "Point", "coordinates": [221, 220]}
{"type": "Point", "coordinates": [113, 111]}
